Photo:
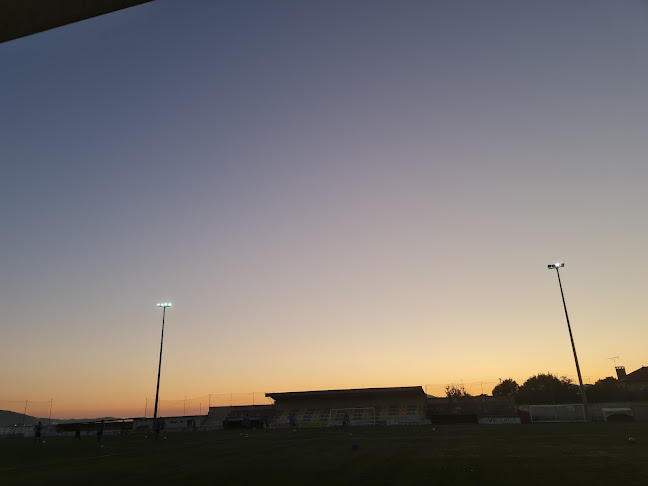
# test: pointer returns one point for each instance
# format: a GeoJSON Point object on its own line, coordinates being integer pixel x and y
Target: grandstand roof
{"type": "Point", "coordinates": [401, 390]}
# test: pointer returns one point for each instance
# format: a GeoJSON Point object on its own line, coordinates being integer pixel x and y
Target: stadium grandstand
{"type": "Point", "coordinates": [364, 406]}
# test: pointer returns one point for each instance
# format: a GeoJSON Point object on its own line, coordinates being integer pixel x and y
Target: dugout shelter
{"type": "Point", "coordinates": [469, 409]}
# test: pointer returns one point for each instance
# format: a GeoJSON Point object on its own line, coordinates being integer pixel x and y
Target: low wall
{"type": "Point", "coordinates": [499, 420]}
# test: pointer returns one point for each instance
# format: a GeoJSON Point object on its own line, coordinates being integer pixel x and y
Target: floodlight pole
{"type": "Point", "coordinates": [571, 337]}
{"type": "Point", "coordinates": [157, 390]}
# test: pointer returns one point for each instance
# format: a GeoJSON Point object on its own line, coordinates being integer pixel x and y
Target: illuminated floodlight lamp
{"type": "Point", "coordinates": [550, 266]}
{"type": "Point", "coordinates": [165, 304]}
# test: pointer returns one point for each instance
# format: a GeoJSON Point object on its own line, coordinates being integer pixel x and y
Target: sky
{"type": "Point", "coordinates": [333, 195]}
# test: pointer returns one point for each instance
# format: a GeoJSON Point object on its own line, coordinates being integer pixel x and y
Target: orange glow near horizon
{"type": "Point", "coordinates": [83, 406]}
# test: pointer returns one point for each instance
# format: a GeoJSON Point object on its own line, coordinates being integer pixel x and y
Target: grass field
{"type": "Point", "coordinates": [547, 454]}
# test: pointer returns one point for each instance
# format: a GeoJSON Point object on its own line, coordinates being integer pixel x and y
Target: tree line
{"type": "Point", "coordinates": [545, 388]}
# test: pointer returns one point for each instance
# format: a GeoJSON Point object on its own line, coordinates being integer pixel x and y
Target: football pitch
{"type": "Point", "coordinates": [537, 454]}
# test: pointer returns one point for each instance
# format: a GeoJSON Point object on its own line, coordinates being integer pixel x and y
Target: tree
{"type": "Point", "coordinates": [507, 388]}
{"type": "Point", "coordinates": [548, 389]}
{"type": "Point", "coordinates": [604, 390]}
{"type": "Point", "coordinates": [453, 391]}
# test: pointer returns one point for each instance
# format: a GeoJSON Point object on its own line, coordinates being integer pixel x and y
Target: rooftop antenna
{"type": "Point", "coordinates": [613, 358]}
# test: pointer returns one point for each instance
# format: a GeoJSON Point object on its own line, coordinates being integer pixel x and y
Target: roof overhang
{"type": "Point", "coordinates": [19, 18]}
{"type": "Point", "coordinates": [403, 390]}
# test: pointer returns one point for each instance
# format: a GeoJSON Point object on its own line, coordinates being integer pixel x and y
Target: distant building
{"type": "Point", "coordinates": [635, 381]}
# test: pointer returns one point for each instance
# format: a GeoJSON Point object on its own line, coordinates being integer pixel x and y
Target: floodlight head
{"type": "Point", "coordinates": [165, 304]}
{"type": "Point", "coordinates": [555, 265]}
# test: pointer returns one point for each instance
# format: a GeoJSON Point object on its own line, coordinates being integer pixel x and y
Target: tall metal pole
{"type": "Point", "coordinates": [571, 337]}
{"type": "Point", "coordinates": [157, 390]}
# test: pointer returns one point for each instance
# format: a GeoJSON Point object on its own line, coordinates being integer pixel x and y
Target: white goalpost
{"type": "Point", "coordinates": [339, 417]}
{"type": "Point", "coordinates": [573, 412]}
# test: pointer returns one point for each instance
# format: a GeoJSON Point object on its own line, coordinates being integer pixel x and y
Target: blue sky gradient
{"type": "Point", "coordinates": [333, 194]}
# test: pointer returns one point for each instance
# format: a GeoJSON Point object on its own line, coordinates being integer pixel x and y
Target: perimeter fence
{"type": "Point", "coordinates": [30, 412]}
{"type": "Point", "coordinates": [473, 388]}
{"type": "Point", "coordinates": [485, 387]}
{"type": "Point", "coordinates": [200, 405]}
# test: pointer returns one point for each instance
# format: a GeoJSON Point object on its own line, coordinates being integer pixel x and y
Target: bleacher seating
{"type": "Point", "coordinates": [306, 417]}
{"type": "Point", "coordinates": [321, 417]}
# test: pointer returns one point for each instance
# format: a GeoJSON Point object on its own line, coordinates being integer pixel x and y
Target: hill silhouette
{"type": "Point", "coordinates": [8, 418]}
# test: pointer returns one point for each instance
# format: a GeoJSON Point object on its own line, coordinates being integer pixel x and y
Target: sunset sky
{"type": "Point", "coordinates": [333, 194]}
